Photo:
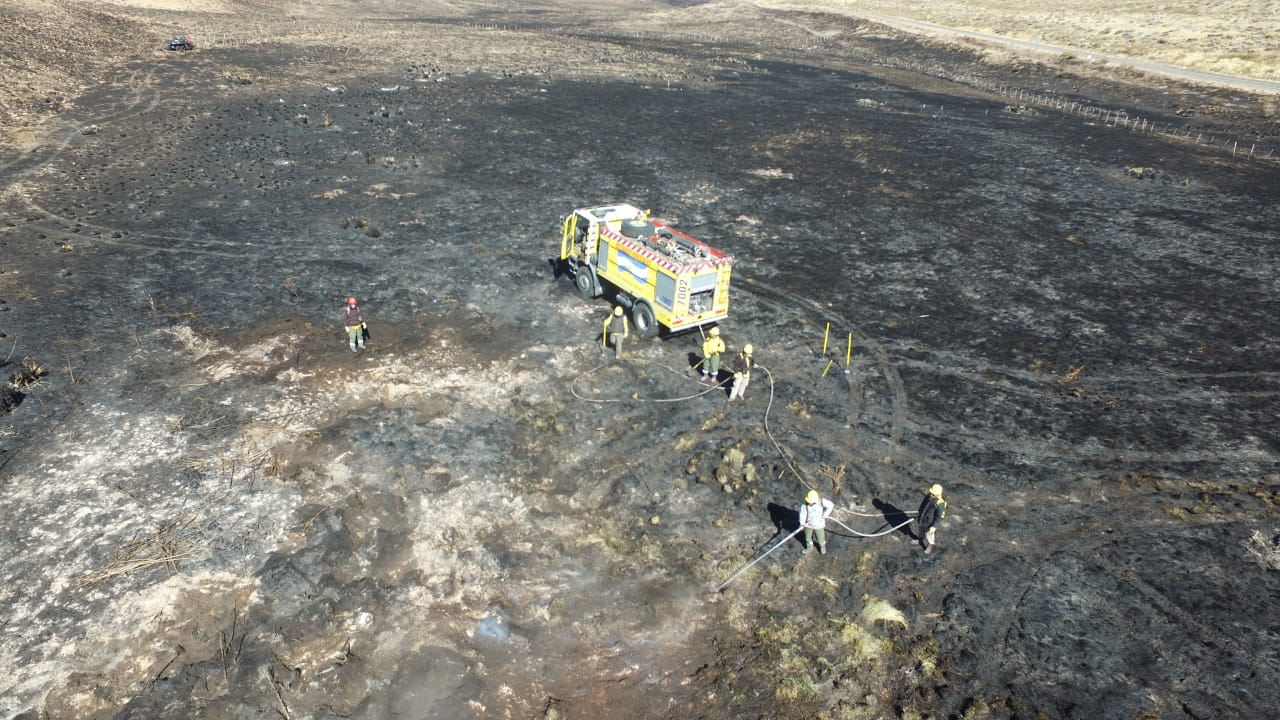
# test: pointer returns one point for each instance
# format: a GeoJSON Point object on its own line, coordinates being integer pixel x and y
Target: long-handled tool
{"type": "Point", "coordinates": [733, 577]}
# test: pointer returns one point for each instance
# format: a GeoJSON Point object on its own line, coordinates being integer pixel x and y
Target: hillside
{"type": "Point", "coordinates": [1046, 284]}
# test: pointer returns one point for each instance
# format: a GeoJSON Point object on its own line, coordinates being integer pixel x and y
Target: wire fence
{"type": "Point", "coordinates": [799, 43]}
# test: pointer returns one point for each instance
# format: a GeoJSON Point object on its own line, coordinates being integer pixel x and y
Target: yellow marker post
{"type": "Point", "coordinates": [848, 354]}
{"type": "Point", "coordinates": [828, 367]}
{"type": "Point", "coordinates": [825, 337]}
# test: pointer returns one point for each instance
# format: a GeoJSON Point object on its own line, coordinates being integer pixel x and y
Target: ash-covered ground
{"type": "Point", "coordinates": [213, 509]}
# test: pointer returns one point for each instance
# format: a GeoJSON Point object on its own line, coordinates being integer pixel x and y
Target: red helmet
{"type": "Point", "coordinates": [351, 301]}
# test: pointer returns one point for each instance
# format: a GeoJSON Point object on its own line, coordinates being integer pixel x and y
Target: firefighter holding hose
{"type": "Point", "coordinates": [742, 364]}
{"type": "Point", "coordinates": [932, 509]}
{"type": "Point", "coordinates": [813, 518]}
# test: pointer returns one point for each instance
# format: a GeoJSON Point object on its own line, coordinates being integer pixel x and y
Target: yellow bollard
{"type": "Point", "coordinates": [825, 336]}
{"type": "Point", "coordinates": [848, 354]}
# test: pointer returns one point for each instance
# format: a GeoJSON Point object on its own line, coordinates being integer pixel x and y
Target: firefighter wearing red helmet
{"type": "Point", "coordinates": [353, 321]}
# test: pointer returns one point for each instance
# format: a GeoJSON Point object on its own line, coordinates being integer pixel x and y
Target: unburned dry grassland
{"type": "Point", "coordinates": [1234, 37]}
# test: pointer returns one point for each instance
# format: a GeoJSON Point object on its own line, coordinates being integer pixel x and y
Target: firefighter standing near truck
{"type": "Point", "coordinates": [932, 509]}
{"type": "Point", "coordinates": [742, 364]}
{"type": "Point", "coordinates": [712, 347]}
{"type": "Point", "coordinates": [353, 321]}
{"type": "Point", "coordinates": [615, 329]}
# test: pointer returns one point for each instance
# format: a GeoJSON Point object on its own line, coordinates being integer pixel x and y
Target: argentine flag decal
{"type": "Point", "coordinates": [632, 267]}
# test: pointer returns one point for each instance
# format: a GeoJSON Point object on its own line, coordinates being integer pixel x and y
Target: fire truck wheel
{"type": "Point", "coordinates": [642, 317]}
{"type": "Point", "coordinates": [586, 281]}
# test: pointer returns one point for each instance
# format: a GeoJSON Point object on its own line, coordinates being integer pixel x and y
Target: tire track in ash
{"type": "Point", "coordinates": [106, 234]}
{"type": "Point", "coordinates": [954, 364]}
{"type": "Point", "coordinates": [889, 373]}
{"type": "Point", "coordinates": [1220, 641]}
{"type": "Point", "coordinates": [134, 98]}
{"type": "Point", "coordinates": [56, 226]}
{"type": "Point", "coordinates": [1039, 385]}
{"type": "Point", "coordinates": [1040, 450]}
{"type": "Point", "coordinates": [1035, 384]}
{"type": "Point", "coordinates": [131, 101]}
{"type": "Point", "coordinates": [33, 164]}
{"type": "Point", "coordinates": [141, 98]}
{"type": "Point", "coordinates": [996, 632]}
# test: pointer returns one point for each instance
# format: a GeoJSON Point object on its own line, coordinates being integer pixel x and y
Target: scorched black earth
{"type": "Point", "coordinates": [215, 510]}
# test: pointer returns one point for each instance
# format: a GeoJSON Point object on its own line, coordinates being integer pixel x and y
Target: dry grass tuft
{"type": "Point", "coordinates": [800, 409]}
{"type": "Point", "coordinates": [877, 610]}
{"type": "Point", "coordinates": [861, 647]}
{"type": "Point", "coordinates": [926, 657]}
{"type": "Point", "coordinates": [866, 565]}
{"type": "Point", "coordinates": [1267, 498]}
{"type": "Point", "coordinates": [29, 375]}
{"type": "Point", "coordinates": [1041, 366]}
{"type": "Point", "coordinates": [976, 709]}
{"type": "Point", "coordinates": [794, 679]}
{"type": "Point", "coordinates": [835, 474]}
{"type": "Point", "coordinates": [177, 539]}
{"type": "Point", "coordinates": [239, 75]}
{"type": "Point", "coordinates": [795, 688]}
{"type": "Point", "coordinates": [1265, 551]}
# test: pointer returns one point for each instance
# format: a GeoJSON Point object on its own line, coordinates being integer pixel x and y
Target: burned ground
{"type": "Point", "coordinates": [214, 509]}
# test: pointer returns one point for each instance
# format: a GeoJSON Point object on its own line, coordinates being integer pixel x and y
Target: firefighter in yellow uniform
{"type": "Point", "coordinates": [712, 347]}
{"type": "Point", "coordinates": [615, 329]}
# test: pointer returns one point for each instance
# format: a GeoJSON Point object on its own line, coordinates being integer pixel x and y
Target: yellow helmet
{"type": "Point", "coordinates": [746, 349]}
{"type": "Point", "coordinates": [715, 332]}
{"type": "Point", "coordinates": [936, 490]}
{"type": "Point", "coordinates": [812, 497]}
{"type": "Point", "coordinates": [617, 310]}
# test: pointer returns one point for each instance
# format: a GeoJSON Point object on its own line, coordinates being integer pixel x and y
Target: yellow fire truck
{"type": "Point", "coordinates": [665, 277]}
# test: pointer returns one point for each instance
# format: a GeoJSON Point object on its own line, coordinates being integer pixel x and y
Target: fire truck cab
{"type": "Point", "coordinates": [666, 278]}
